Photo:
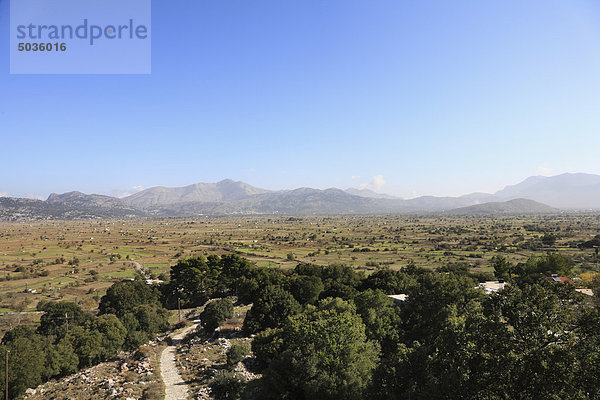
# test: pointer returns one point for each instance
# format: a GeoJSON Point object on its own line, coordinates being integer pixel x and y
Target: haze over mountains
{"type": "Point", "coordinates": [536, 194]}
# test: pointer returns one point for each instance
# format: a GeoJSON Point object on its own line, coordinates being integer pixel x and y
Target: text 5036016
{"type": "Point", "coordinates": [42, 47]}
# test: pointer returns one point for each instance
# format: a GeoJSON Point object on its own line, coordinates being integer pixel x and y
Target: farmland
{"type": "Point", "coordinates": [79, 260]}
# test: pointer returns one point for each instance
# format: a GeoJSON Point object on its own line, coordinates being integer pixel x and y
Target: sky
{"type": "Point", "coordinates": [404, 97]}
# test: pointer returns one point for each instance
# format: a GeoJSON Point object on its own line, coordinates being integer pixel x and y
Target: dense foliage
{"type": "Point", "coordinates": [330, 333]}
{"type": "Point", "coordinates": [68, 338]}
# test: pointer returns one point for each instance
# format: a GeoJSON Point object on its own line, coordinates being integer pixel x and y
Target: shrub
{"type": "Point", "coordinates": [237, 352]}
{"type": "Point", "coordinates": [215, 313]}
{"type": "Point", "coordinates": [227, 386]}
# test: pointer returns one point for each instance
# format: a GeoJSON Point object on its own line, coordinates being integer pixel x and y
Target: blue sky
{"type": "Point", "coordinates": [428, 97]}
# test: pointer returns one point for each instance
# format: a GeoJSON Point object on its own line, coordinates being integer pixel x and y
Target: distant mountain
{"type": "Point", "coordinates": [298, 201]}
{"type": "Point", "coordinates": [569, 191]}
{"type": "Point", "coordinates": [536, 194]}
{"type": "Point", "coordinates": [68, 206]}
{"type": "Point", "coordinates": [516, 206]}
{"type": "Point", "coordinates": [368, 193]}
{"type": "Point", "coordinates": [432, 203]}
{"type": "Point", "coordinates": [82, 205]}
{"type": "Point", "coordinates": [223, 191]}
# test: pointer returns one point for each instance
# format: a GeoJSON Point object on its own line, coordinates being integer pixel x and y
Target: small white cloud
{"type": "Point", "coordinates": [120, 193]}
{"type": "Point", "coordinates": [34, 196]}
{"type": "Point", "coordinates": [544, 171]}
{"type": "Point", "coordinates": [355, 177]}
{"type": "Point", "coordinates": [4, 194]}
{"type": "Point", "coordinates": [376, 183]}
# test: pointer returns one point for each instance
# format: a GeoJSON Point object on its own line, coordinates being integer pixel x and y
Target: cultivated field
{"type": "Point", "coordinates": [79, 260]}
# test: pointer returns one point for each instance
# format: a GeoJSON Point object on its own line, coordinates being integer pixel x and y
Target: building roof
{"type": "Point", "coordinates": [562, 279]}
{"type": "Point", "coordinates": [492, 286]}
{"type": "Point", "coordinates": [588, 292]}
{"type": "Point", "coordinates": [398, 298]}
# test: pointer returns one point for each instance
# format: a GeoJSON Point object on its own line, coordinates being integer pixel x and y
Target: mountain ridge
{"type": "Point", "coordinates": [228, 197]}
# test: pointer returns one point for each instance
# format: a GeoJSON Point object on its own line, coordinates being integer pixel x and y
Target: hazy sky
{"type": "Point", "coordinates": [413, 97]}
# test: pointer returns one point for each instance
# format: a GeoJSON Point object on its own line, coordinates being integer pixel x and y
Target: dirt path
{"type": "Point", "coordinates": [175, 387]}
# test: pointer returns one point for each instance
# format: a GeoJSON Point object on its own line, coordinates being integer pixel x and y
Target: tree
{"type": "Point", "coordinates": [143, 323]}
{"type": "Point", "coordinates": [194, 280]}
{"type": "Point", "coordinates": [267, 344]}
{"type": "Point", "coordinates": [123, 297]}
{"type": "Point", "coordinates": [538, 268]}
{"type": "Point", "coordinates": [216, 313]}
{"type": "Point", "coordinates": [270, 310]}
{"type": "Point", "coordinates": [57, 315]}
{"type": "Point", "coordinates": [253, 283]}
{"type": "Point", "coordinates": [233, 267]}
{"type": "Point", "coordinates": [389, 281]}
{"type": "Point", "coordinates": [306, 289]}
{"type": "Point", "coordinates": [381, 318]}
{"type": "Point", "coordinates": [227, 385]}
{"type": "Point", "coordinates": [28, 364]}
{"type": "Point", "coordinates": [113, 334]}
{"type": "Point", "coordinates": [326, 355]}
{"type": "Point", "coordinates": [502, 267]}
{"type": "Point", "coordinates": [548, 239]}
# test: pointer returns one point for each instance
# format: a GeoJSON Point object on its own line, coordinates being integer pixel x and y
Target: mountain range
{"type": "Point", "coordinates": [536, 194]}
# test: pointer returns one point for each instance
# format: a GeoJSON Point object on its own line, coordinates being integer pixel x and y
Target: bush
{"type": "Point", "coordinates": [227, 386]}
{"type": "Point", "coordinates": [237, 352]}
{"type": "Point", "coordinates": [154, 391]}
{"type": "Point", "coordinates": [215, 313]}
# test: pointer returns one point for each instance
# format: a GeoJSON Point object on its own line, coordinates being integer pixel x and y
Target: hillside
{"type": "Point", "coordinates": [223, 191]}
{"type": "Point", "coordinates": [299, 201]}
{"type": "Point", "coordinates": [516, 206]}
{"type": "Point", "coordinates": [72, 206]}
{"type": "Point", "coordinates": [227, 197]}
{"type": "Point", "coordinates": [570, 191]}
{"type": "Point", "coordinates": [369, 194]}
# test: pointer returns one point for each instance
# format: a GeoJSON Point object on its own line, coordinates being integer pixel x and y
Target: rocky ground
{"type": "Point", "coordinates": [130, 376]}
{"type": "Point", "coordinates": [200, 356]}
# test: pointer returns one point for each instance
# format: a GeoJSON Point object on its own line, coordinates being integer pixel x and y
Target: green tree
{"type": "Point", "coordinates": [381, 318]}
{"type": "Point", "coordinates": [326, 355]}
{"type": "Point", "coordinates": [123, 297]}
{"type": "Point", "coordinates": [227, 385]}
{"type": "Point", "coordinates": [87, 344]}
{"type": "Point", "coordinates": [267, 344]}
{"type": "Point", "coordinates": [143, 323]}
{"type": "Point", "coordinates": [270, 310]}
{"type": "Point", "coordinates": [548, 239]}
{"type": "Point", "coordinates": [56, 315]}
{"type": "Point", "coordinates": [233, 267]}
{"type": "Point", "coordinates": [113, 334]}
{"type": "Point", "coordinates": [194, 280]}
{"type": "Point", "coordinates": [502, 267]}
{"type": "Point", "coordinates": [389, 281]}
{"type": "Point", "coordinates": [306, 289]}
{"type": "Point", "coordinates": [215, 313]}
